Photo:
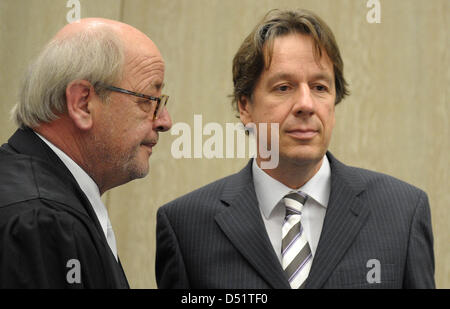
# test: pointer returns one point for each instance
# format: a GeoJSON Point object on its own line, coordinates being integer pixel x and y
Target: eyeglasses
{"type": "Point", "coordinates": [160, 102]}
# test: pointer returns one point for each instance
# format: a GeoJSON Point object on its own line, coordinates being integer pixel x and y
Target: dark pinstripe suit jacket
{"type": "Point", "coordinates": [214, 237]}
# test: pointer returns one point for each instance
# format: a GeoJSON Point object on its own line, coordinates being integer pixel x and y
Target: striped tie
{"type": "Point", "coordinates": [296, 257]}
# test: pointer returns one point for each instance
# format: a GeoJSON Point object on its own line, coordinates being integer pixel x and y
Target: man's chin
{"type": "Point", "coordinates": [303, 157]}
{"type": "Point", "coordinates": [137, 170]}
{"type": "Point", "coordinates": [142, 173]}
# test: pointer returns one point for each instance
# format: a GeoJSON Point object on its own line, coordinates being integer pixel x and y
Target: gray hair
{"type": "Point", "coordinates": [95, 55]}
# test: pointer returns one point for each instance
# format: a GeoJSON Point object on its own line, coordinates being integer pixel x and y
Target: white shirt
{"type": "Point", "coordinates": [90, 189]}
{"type": "Point", "coordinates": [269, 193]}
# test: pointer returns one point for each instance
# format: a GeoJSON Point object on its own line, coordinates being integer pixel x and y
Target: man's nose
{"type": "Point", "coordinates": [163, 123]}
{"type": "Point", "coordinates": [304, 101]}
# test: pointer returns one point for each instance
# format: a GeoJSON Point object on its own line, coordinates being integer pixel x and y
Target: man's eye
{"type": "Point", "coordinates": [146, 105]}
{"type": "Point", "coordinates": [321, 88]}
{"type": "Point", "coordinates": [283, 88]}
{"type": "Point", "coordinates": [144, 101]}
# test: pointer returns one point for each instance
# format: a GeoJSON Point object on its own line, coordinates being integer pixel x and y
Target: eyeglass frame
{"type": "Point", "coordinates": [164, 98]}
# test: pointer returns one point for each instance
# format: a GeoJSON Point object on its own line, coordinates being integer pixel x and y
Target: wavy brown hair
{"type": "Point", "coordinates": [255, 53]}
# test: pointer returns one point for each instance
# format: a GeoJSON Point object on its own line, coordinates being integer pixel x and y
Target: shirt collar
{"type": "Point", "coordinates": [86, 183]}
{"type": "Point", "coordinates": [270, 191]}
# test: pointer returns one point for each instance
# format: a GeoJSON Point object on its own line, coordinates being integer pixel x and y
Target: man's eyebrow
{"type": "Point", "coordinates": [323, 76]}
{"type": "Point", "coordinates": [279, 76]}
{"type": "Point", "coordinates": [160, 86]}
{"type": "Point", "coordinates": [317, 76]}
{"type": "Point", "coordinates": [157, 85]}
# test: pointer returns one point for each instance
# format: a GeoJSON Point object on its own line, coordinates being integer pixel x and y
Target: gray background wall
{"type": "Point", "coordinates": [395, 121]}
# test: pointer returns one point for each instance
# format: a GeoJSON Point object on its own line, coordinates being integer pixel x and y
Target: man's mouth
{"type": "Point", "coordinates": [149, 145]}
{"type": "Point", "coordinates": [303, 133]}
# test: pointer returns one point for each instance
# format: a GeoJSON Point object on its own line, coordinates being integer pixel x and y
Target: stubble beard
{"type": "Point", "coordinates": [116, 167]}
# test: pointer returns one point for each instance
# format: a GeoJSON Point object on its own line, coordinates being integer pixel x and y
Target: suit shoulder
{"type": "Point", "coordinates": [384, 189]}
{"type": "Point", "coordinates": [40, 210]}
{"type": "Point", "coordinates": [24, 178]}
{"type": "Point", "coordinates": [37, 216]}
{"type": "Point", "coordinates": [29, 193]}
{"type": "Point", "coordinates": [211, 190]}
{"type": "Point", "coordinates": [208, 195]}
{"type": "Point", "coordinates": [17, 178]}
{"type": "Point", "coordinates": [374, 178]}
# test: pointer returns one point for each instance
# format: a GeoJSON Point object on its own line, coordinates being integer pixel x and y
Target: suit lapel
{"type": "Point", "coordinates": [242, 223]}
{"type": "Point", "coordinates": [344, 218]}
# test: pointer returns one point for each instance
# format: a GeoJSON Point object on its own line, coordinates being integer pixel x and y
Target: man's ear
{"type": "Point", "coordinates": [244, 105]}
{"type": "Point", "coordinates": [79, 96]}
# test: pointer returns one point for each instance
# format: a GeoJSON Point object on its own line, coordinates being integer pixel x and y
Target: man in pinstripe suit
{"type": "Point", "coordinates": [355, 228]}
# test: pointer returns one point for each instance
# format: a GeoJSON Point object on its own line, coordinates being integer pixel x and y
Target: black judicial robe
{"type": "Point", "coordinates": [50, 236]}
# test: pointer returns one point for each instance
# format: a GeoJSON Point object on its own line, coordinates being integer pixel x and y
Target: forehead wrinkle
{"type": "Point", "coordinates": [309, 69]}
{"type": "Point", "coordinates": [144, 63]}
{"type": "Point", "coordinates": [308, 56]}
{"type": "Point", "coordinates": [152, 78]}
{"type": "Point", "coordinates": [292, 75]}
{"type": "Point", "coordinates": [147, 70]}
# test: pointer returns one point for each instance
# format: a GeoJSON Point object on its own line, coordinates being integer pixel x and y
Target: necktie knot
{"type": "Point", "coordinates": [294, 202]}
